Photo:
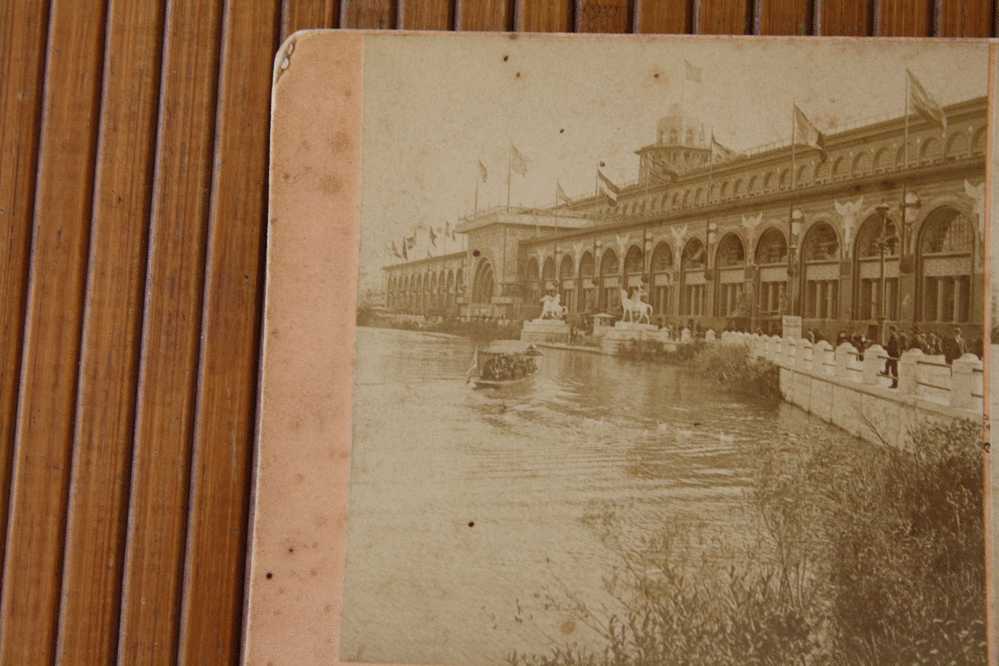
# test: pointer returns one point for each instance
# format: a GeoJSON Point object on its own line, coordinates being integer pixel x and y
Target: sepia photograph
{"type": "Point", "coordinates": [669, 351]}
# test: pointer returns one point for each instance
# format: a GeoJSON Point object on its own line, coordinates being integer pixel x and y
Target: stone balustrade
{"type": "Point", "coordinates": [924, 377]}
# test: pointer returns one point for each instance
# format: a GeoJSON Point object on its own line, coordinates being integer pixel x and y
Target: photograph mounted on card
{"type": "Point", "coordinates": [621, 351]}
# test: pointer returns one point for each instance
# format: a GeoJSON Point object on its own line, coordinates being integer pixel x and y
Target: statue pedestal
{"type": "Point", "coordinates": [634, 327]}
{"type": "Point", "coordinates": [625, 333]}
{"type": "Point", "coordinates": [545, 330]}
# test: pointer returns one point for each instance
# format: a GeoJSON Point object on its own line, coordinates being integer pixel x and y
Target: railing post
{"type": "Point", "coordinates": [965, 382]}
{"type": "Point", "coordinates": [908, 371]}
{"type": "Point", "coordinates": [874, 361]}
{"type": "Point", "coordinates": [824, 363]}
{"type": "Point", "coordinates": [844, 354]}
{"type": "Point", "coordinates": [804, 355]}
{"type": "Point", "coordinates": [790, 355]}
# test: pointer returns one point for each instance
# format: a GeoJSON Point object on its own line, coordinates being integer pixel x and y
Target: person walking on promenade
{"type": "Point", "coordinates": [892, 349]}
{"type": "Point", "coordinates": [954, 347]}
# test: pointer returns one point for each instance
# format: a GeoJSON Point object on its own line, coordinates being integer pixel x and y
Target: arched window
{"type": "Point", "coordinates": [771, 259]}
{"type": "Point", "coordinates": [868, 292]}
{"type": "Point", "coordinates": [820, 277]}
{"type": "Point", "coordinates": [610, 281]}
{"type": "Point", "coordinates": [548, 271]}
{"type": "Point", "coordinates": [946, 248]}
{"type": "Point", "coordinates": [730, 252]}
{"type": "Point", "coordinates": [662, 290]}
{"type": "Point", "coordinates": [633, 261]}
{"type": "Point", "coordinates": [566, 268]}
{"type": "Point", "coordinates": [730, 259]}
{"type": "Point", "coordinates": [692, 289]}
{"type": "Point", "coordinates": [588, 292]}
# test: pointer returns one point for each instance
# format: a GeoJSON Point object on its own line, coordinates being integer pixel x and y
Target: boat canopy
{"type": "Point", "coordinates": [507, 347]}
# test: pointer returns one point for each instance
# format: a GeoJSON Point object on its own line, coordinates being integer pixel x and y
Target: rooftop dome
{"type": "Point", "coordinates": [678, 128]}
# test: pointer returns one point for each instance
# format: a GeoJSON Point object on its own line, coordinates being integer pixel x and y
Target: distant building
{"type": "Point", "coordinates": [743, 240]}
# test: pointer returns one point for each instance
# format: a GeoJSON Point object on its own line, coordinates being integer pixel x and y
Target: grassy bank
{"type": "Point", "coordinates": [867, 555]}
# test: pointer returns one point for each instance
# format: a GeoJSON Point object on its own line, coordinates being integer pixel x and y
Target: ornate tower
{"type": "Point", "coordinates": [680, 146]}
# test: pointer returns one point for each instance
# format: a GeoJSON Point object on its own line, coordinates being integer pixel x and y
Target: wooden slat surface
{"type": "Point", "coordinates": [664, 16]}
{"type": "Point", "coordinates": [102, 442]}
{"type": "Point", "coordinates": [51, 345]}
{"type": "Point", "coordinates": [843, 17]}
{"type": "Point", "coordinates": [227, 373]}
{"type": "Point", "coordinates": [904, 18]}
{"type": "Point", "coordinates": [158, 504]}
{"type": "Point", "coordinates": [496, 15]}
{"type": "Point", "coordinates": [132, 208]}
{"type": "Point", "coordinates": [23, 29]}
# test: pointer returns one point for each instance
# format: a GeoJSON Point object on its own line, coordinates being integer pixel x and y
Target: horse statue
{"type": "Point", "coordinates": [551, 307]}
{"type": "Point", "coordinates": [635, 310]}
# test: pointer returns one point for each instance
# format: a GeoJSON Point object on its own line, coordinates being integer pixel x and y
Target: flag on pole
{"type": "Point", "coordinates": [395, 251]}
{"type": "Point", "coordinates": [560, 194]}
{"type": "Point", "coordinates": [806, 133]}
{"type": "Point", "coordinates": [433, 237]}
{"type": "Point", "coordinates": [405, 251]}
{"type": "Point", "coordinates": [693, 72]}
{"type": "Point", "coordinates": [518, 163]}
{"type": "Point", "coordinates": [483, 172]}
{"type": "Point", "coordinates": [924, 104]}
{"type": "Point", "coordinates": [720, 152]}
{"type": "Point", "coordinates": [608, 188]}
{"type": "Point", "coordinates": [410, 242]}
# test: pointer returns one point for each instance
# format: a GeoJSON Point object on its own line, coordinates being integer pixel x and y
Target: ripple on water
{"type": "Point", "coordinates": [536, 468]}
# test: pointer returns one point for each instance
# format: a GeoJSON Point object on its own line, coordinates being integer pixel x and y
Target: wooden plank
{"type": "Point", "coordinates": [722, 17]}
{"type": "Point", "coordinates": [485, 15]}
{"type": "Point", "coordinates": [903, 18]}
{"type": "Point", "coordinates": [664, 16]}
{"type": "Point", "coordinates": [964, 18]}
{"type": "Point", "coordinates": [215, 551]}
{"type": "Point", "coordinates": [783, 17]}
{"type": "Point", "coordinates": [370, 14]}
{"type": "Point", "coordinates": [544, 16]}
{"type": "Point", "coordinates": [308, 14]}
{"type": "Point", "coordinates": [427, 14]}
{"type": "Point", "coordinates": [171, 330]}
{"type": "Point", "coordinates": [843, 17]}
{"type": "Point", "coordinates": [102, 446]}
{"type": "Point", "coordinates": [603, 16]}
{"type": "Point", "coordinates": [23, 28]}
{"type": "Point", "coordinates": [52, 333]}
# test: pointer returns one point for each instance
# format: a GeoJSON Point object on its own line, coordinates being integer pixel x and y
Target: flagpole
{"type": "Point", "coordinates": [905, 167]}
{"type": "Point", "coordinates": [509, 174]}
{"type": "Point", "coordinates": [790, 213]}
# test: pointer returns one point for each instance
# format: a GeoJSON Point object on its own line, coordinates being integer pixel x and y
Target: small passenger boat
{"type": "Point", "coordinates": [503, 363]}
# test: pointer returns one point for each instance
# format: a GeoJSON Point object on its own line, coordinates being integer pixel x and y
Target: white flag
{"type": "Point", "coordinates": [518, 163]}
{"type": "Point", "coordinates": [693, 72]}
{"type": "Point", "coordinates": [924, 104]}
{"type": "Point", "coordinates": [608, 188]}
{"type": "Point", "coordinates": [806, 133]}
{"type": "Point", "coordinates": [483, 172]}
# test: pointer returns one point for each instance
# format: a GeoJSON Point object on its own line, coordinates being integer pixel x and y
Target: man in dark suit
{"type": "Point", "coordinates": [892, 349]}
{"type": "Point", "coordinates": [954, 346]}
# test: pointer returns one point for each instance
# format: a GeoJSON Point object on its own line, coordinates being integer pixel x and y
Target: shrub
{"type": "Point", "coordinates": [733, 366]}
{"type": "Point", "coordinates": [869, 555]}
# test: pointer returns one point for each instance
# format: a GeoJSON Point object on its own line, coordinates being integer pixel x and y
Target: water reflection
{"type": "Point", "coordinates": [533, 469]}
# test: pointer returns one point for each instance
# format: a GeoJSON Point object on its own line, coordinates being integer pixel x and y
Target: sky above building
{"type": "Point", "coordinates": [434, 107]}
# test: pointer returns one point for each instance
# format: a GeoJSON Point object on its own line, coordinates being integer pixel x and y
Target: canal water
{"type": "Point", "coordinates": [472, 510]}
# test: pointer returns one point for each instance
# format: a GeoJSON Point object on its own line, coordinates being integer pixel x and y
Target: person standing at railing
{"type": "Point", "coordinates": [954, 346]}
{"type": "Point", "coordinates": [892, 349]}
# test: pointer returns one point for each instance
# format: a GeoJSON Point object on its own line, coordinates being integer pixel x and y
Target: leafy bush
{"type": "Point", "coordinates": [869, 555]}
{"type": "Point", "coordinates": [733, 366]}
